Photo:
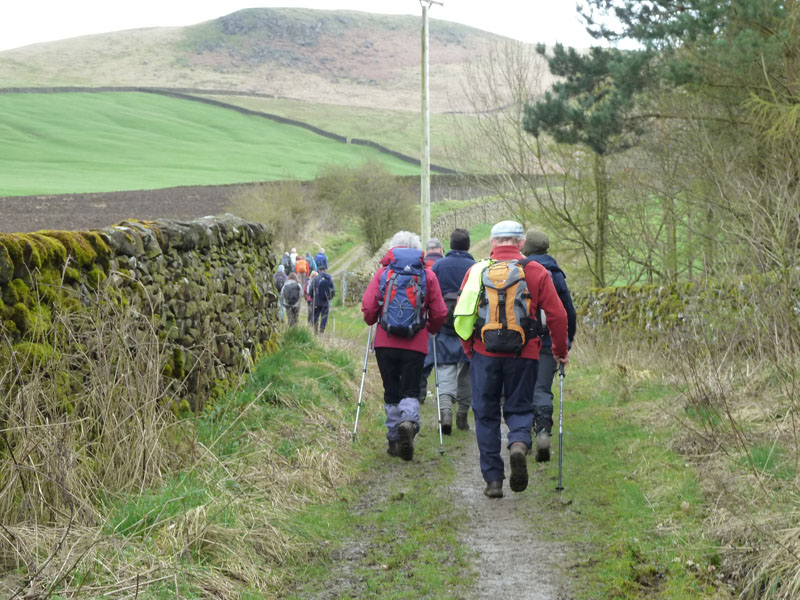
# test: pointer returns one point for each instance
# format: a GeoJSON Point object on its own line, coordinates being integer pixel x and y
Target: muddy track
{"type": "Point", "coordinates": [508, 555]}
{"type": "Point", "coordinates": [511, 560]}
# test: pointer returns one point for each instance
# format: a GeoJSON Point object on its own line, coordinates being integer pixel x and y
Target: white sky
{"type": "Point", "coordinates": [24, 22]}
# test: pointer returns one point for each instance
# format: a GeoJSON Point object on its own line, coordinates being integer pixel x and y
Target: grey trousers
{"type": "Point", "coordinates": [455, 385]}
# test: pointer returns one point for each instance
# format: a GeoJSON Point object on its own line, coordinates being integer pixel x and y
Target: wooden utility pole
{"type": "Point", "coordinates": [425, 161]}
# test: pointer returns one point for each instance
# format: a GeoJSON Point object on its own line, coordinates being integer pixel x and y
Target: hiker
{"type": "Point", "coordinates": [312, 265]}
{"type": "Point", "coordinates": [303, 269]}
{"type": "Point", "coordinates": [433, 252]}
{"type": "Point", "coordinates": [293, 257]}
{"type": "Point", "coordinates": [452, 362]}
{"type": "Point", "coordinates": [321, 259]}
{"type": "Point", "coordinates": [290, 297]}
{"type": "Point", "coordinates": [535, 248]}
{"type": "Point", "coordinates": [280, 279]}
{"type": "Point", "coordinates": [322, 291]}
{"type": "Point", "coordinates": [286, 261]}
{"type": "Point", "coordinates": [405, 299]}
{"type": "Point", "coordinates": [495, 318]}
{"type": "Point", "coordinates": [307, 288]}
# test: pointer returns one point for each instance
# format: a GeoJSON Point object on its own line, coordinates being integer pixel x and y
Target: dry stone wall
{"type": "Point", "coordinates": [202, 287]}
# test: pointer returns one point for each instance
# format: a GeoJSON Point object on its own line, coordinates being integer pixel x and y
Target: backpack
{"type": "Point", "coordinates": [401, 293]}
{"type": "Point", "coordinates": [321, 260]}
{"type": "Point", "coordinates": [323, 288]}
{"type": "Point", "coordinates": [301, 266]}
{"type": "Point", "coordinates": [286, 261]}
{"type": "Point", "coordinates": [280, 280]}
{"type": "Point", "coordinates": [292, 293]}
{"type": "Point", "coordinates": [504, 322]}
{"type": "Point", "coordinates": [450, 301]}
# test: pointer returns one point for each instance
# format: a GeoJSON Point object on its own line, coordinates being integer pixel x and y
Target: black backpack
{"type": "Point", "coordinates": [291, 295]}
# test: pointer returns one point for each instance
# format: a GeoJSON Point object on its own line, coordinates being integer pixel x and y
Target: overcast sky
{"type": "Point", "coordinates": [24, 22]}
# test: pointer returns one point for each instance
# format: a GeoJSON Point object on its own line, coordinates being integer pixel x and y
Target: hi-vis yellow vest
{"type": "Point", "coordinates": [466, 311]}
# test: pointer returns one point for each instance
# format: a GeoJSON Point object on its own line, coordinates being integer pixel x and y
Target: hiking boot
{"type": "Point", "coordinates": [447, 421]}
{"type": "Point", "coordinates": [406, 432]}
{"type": "Point", "coordinates": [519, 468]}
{"type": "Point", "coordinates": [494, 489]}
{"type": "Point", "coordinates": [461, 419]}
{"type": "Point", "coordinates": [394, 448]}
{"type": "Point", "coordinates": [543, 446]}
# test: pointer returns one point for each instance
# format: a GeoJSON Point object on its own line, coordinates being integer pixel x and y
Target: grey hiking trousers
{"type": "Point", "coordinates": [455, 385]}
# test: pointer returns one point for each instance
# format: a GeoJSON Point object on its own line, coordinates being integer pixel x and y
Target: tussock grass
{"type": "Point", "coordinates": [127, 500]}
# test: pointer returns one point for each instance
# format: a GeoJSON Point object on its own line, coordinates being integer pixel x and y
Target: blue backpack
{"type": "Point", "coordinates": [401, 293]}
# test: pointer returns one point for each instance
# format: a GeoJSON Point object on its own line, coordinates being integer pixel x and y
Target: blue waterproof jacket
{"type": "Point", "coordinates": [450, 271]}
{"type": "Point", "coordinates": [560, 283]}
{"type": "Point", "coordinates": [321, 260]}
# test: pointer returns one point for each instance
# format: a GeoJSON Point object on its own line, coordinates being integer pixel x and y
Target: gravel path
{"type": "Point", "coordinates": [512, 562]}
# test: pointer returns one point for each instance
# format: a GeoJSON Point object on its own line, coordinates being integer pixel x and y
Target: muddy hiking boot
{"type": "Point", "coordinates": [447, 421]}
{"type": "Point", "coordinates": [543, 446]}
{"type": "Point", "coordinates": [461, 418]}
{"type": "Point", "coordinates": [406, 431]}
{"type": "Point", "coordinates": [494, 489]}
{"type": "Point", "coordinates": [519, 468]}
{"type": "Point", "coordinates": [394, 448]}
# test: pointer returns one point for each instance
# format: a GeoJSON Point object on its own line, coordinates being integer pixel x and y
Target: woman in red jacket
{"type": "Point", "coordinates": [405, 299]}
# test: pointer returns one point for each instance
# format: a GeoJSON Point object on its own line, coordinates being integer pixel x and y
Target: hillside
{"type": "Point", "coordinates": [336, 57]}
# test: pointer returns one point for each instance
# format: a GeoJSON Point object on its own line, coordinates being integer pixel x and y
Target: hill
{"type": "Point", "coordinates": [333, 57]}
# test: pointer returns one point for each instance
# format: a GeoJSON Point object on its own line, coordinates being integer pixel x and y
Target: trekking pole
{"type": "Point", "coordinates": [438, 408]}
{"type": "Point", "coordinates": [363, 375]}
{"type": "Point", "coordinates": [560, 488]}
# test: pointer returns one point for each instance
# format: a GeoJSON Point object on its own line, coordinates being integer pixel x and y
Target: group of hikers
{"type": "Point", "coordinates": [306, 278]}
{"type": "Point", "coordinates": [501, 328]}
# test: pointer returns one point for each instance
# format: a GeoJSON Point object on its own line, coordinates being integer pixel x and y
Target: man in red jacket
{"type": "Point", "coordinates": [495, 375]}
{"type": "Point", "coordinates": [400, 354]}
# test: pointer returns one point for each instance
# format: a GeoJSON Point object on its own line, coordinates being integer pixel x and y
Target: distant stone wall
{"type": "Point", "coordinates": [203, 287]}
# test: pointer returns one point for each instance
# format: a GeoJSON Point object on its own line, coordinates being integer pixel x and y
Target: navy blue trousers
{"type": "Point", "coordinates": [492, 378]}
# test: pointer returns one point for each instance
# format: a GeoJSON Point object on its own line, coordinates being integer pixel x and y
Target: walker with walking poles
{"type": "Point", "coordinates": [363, 375]}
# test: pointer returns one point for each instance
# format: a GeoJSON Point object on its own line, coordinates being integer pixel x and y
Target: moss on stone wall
{"type": "Point", "coordinates": [203, 288]}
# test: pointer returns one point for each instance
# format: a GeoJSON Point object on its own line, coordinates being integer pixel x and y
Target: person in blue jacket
{"type": "Point", "coordinates": [321, 259]}
{"type": "Point", "coordinates": [452, 362]}
{"type": "Point", "coordinates": [536, 246]}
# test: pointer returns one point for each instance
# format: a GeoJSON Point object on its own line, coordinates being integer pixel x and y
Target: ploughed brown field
{"type": "Point", "coordinates": [22, 214]}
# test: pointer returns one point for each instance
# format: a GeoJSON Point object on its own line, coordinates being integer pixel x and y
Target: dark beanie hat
{"type": "Point", "coordinates": [536, 242]}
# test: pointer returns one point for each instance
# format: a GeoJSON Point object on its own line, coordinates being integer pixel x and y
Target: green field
{"type": "Point", "coordinates": [85, 142]}
{"type": "Point", "coordinates": [400, 130]}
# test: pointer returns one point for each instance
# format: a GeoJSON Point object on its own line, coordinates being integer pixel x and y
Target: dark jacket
{"type": "Point", "coordinates": [450, 271]}
{"type": "Point", "coordinates": [322, 289]}
{"type": "Point", "coordinates": [560, 283]}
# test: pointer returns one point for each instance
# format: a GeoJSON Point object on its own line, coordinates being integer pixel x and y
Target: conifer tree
{"type": "Point", "coordinates": [591, 104]}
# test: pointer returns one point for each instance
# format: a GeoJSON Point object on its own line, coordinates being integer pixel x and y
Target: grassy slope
{"type": "Point", "coordinates": [59, 143]}
{"type": "Point", "coordinates": [399, 130]}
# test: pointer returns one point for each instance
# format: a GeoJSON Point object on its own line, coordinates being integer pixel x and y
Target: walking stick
{"type": "Point", "coordinates": [560, 488]}
{"type": "Point", "coordinates": [363, 375]}
{"type": "Point", "coordinates": [438, 408]}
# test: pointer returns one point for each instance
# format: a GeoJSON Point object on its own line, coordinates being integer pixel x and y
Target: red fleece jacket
{"type": "Point", "coordinates": [434, 306]}
{"type": "Point", "coordinates": [543, 295]}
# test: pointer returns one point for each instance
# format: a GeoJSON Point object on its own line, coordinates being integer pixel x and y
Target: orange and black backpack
{"type": "Point", "coordinates": [504, 322]}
